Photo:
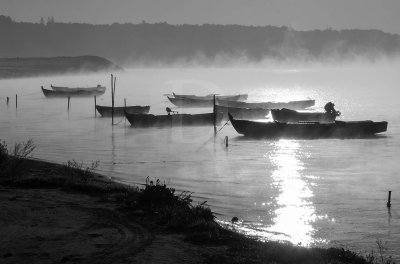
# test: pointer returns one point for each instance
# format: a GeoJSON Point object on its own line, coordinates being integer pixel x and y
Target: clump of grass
{"type": "Point", "coordinates": [23, 150]}
{"type": "Point", "coordinates": [379, 257]}
{"type": "Point", "coordinates": [10, 159]}
{"type": "Point", "coordinates": [77, 172]}
{"type": "Point", "coordinates": [175, 211]}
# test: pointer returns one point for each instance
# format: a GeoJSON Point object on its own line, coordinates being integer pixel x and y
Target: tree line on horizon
{"type": "Point", "coordinates": [163, 43]}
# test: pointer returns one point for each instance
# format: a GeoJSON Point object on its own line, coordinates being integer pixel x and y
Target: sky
{"type": "Point", "coordinates": [297, 14]}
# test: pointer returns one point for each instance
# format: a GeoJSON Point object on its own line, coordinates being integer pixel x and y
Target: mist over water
{"type": "Point", "coordinates": [310, 192]}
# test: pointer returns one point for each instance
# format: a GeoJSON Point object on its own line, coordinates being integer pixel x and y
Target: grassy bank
{"type": "Point", "coordinates": [162, 210]}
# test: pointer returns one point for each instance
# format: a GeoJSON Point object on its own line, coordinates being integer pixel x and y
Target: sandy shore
{"type": "Point", "coordinates": [49, 225]}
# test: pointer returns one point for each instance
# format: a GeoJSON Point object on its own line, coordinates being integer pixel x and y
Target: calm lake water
{"type": "Point", "coordinates": [309, 192]}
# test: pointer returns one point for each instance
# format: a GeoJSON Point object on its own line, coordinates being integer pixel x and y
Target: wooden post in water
{"type": "Point", "coordinates": [388, 204]}
{"type": "Point", "coordinates": [16, 101]}
{"type": "Point", "coordinates": [69, 98]}
{"type": "Point", "coordinates": [112, 100]}
{"type": "Point", "coordinates": [8, 100]}
{"type": "Point", "coordinates": [226, 141]}
{"type": "Point", "coordinates": [95, 103]}
{"type": "Point", "coordinates": [215, 117]}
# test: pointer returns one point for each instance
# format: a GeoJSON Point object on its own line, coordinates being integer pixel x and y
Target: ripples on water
{"type": "Point", "coordinates": [309, 192]}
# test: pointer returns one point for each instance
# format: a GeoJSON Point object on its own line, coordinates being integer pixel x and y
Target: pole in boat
{"type": "Point", "coordinates": [215, 116]}
{"type": "Point", "coordinates": [95, 113]}
{"type": "Point", "coordinates": [388, 204]}
{"type": "Point", "coordinates": [69, 98]}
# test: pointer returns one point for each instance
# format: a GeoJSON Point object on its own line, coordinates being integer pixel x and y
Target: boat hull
{"type": "Point", "coordinates": [106, 111]}
{"type": "Point", "coordinates": [238, 97]}
{"type": "Point", "coordinates": [294, 105]}
{"type": "Point", "coordinates": [74, 93]}
{"type": "Point", "coordinates": [147, 120]}
{"type": "Point", "coordinates": [242, 113]}
{"type": "Point", "coordinates": [287, 115]}
{"type": "Point", "coordinates": [308, 130]}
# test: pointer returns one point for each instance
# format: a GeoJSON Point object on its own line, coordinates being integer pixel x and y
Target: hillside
{"type": "Point", "coordinates": [26, 67]}
{"type": "Point", "coordinates": [162, 43]}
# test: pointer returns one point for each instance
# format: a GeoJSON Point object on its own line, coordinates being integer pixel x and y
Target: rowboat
{"type": "Point", "coordinates": [191, 102]}
{"type": "Point", "coordinates": [285, 115]}
{"type": "Point", "coordinates": [242, 113]}
{"type": "Point", "coordinates": [148, 120]}
{"type": "Point", "coordinates": [73, 93]}
{"type": "Point", "coordinates": [75, 89]}
{"type": "Point", "coordinates": [238, 97]}
{"type": "Point", "coordinates": [294, 105]}
{"type": "Point", "coordinates": [308, 130]}
{"type": "Point", "coordinates": [105, 111]}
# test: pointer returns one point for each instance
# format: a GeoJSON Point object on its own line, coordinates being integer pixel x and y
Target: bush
{"type": "Point", "coordinates": [174, 211]}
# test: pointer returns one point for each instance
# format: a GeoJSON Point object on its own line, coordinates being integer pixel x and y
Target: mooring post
{"type": "Point", "coordinates": [112, 100]}
{"type": "Point", "coordinates": [215, 117]}
{"type": "Point", "coordinates": [8, 100]}
{"type": "Point", "coordinates": [69, 98]}
{"type": "Point", "coordinates": [95, 103]}
{"type": "Point", "coordinates": [388, 204]}
{"type": "Point", "coordinates": [226, 141]}
{"type": "Point", "coordinates": [16, 101]}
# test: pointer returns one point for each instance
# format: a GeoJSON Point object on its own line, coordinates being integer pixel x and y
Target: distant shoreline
{"type": "Point", "coordinates": [40, 66]}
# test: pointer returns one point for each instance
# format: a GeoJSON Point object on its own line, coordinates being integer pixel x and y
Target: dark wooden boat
{"type": "Point", "coordinates": [73, 93]}
{"type": "Point", "coordinates": [238, 97]}
{"type": "Point", "coordinates": [105, 111]}
{"type": "Point", "coordinates": [75, 89]}
{"type": "Point", "coordinates": [294, 105]}
{"type": "Point", "coordinates": [308, 130]}
{"type": "Point", "coordinates": [191, 102]}
{"type": "Point", "coordinates": [196, 101]}
{"type": "Point", "coordinates": [242, 113]}
{"type": "Point", "coordinates": [148, 120]}
{"type": "Point", "coordinates": [285, 115]}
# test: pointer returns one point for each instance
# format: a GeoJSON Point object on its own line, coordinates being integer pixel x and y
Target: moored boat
{"type": "Point", "coordinates": [149, 120]}
{"type": "Point", "coordinates": [75, 89]}
{"type": "Point", "coordinates": [242, 113]}
{"type": "Point", "coordinates": [308, 130]}
{"type": "Point", "coordinates": [73, 93]}
{"type": "Point", "coordinates": [285, 115]}
{"type": "Point", "coordinates": [106, 111]}
{"type": "Point", "coordinates": [294, 105]}
{"type": "Point", "coordinates": [191, 102]}
{"type": "Point", "coordinates": [238, 97]}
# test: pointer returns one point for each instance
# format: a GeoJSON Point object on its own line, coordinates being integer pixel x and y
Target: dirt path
{"type": "Point", "coordinates": [51, 226]}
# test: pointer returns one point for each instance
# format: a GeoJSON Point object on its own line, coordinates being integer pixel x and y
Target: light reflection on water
{"type": "Point", "coordinates": [295, 212]}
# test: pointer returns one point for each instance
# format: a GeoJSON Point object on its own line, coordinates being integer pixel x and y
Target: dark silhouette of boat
{"type": "Point", "coordinates": [295, 105]}
{"type": "Point", "coordinates": [148, 120]}
{"type": "Point", "coordinates": [242, 113]}
{"type": "Point", "coordinates": [285, 115]}
{"type": "Point", "coordinates": [191, 102]}
{"type": "Point", "coordinates": [238, 97]}
{"type": "Point", "coordinates": [74, 92]}
{"type": "Point", "coordinates": [308, 130]}
{"type": "Point", "coordinates": [105, 111]}
{"type": "Point", "coordinates": [70, 89]}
